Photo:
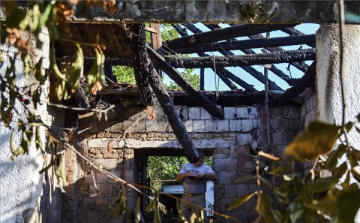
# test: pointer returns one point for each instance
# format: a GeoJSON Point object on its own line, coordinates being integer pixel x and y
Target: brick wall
{"type": "Point", "coordinates": [231, 140]}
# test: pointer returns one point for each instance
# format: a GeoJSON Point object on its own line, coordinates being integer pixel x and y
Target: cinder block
{"type": "Point", "coordinates": [94, 127]}
{"type": "Point", "coordinates": [294, 124]}
{"type": "Point", "coordinates": [230, 113]}
{"type": "Point", "coordinates": [230, 191]}
{"type": "Point", "coordinates": [225, 178]}
{"type": "Point", "coordinates": [253, 112]}
{"type": "Point", "coordinates": [277, 138]}
{"type": "Point", "coordinates": [243, 139]}
{"type": "Point", "coordinates": [219, 164]}
{"type": "Point", "coordinates": [242, 113]}
{"type": "Point", "coordinates": [106, 190]}
{"type": "Point", "coordinates": [246, 125]}
{"type": "Point", "coordinates": [140, 127]}
{"type": "Point", "coordinates": [204, 114]}
{"type": "Point", "coordinates": [210, 126]}
{"type": "Point", "coordinates": [223, 125]}
{"type": "Point", "coordinates": [184, 113]}
{"type": "Point", "coordinates": [288, 137]}
{"type": "Point", "coordinates": [151, 125]}
{"type": "Point", "coordinates": [291, 112]}
{"type": "Point", "coordinates": [118, 127]}
{"type": "Point", "coordinates": [280, 124]}
{"type": "Point", "coordinates": [194, 113]}
{"type": "Point", "coordinates": [163, 126]}
{"type": "Point", "coordinates": [199, 126]}
{"type": "Point", "coordinates": [231, 164]}
{"type": "Point", "coordinates": [242, 189]}
{"type": "Point", "coordinates": [134, 113]}
{"type": "Point", "coordinates": [189, 125]}
{"type": "Point", "coordinates": [92, 217]}
{"type": "Point", "coordinates": [101, 178]}
{"type": "Point", "coordinates": [235, 125]}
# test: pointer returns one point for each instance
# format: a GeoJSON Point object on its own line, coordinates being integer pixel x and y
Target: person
{"type": "Point", "coordinates": [194, 177]}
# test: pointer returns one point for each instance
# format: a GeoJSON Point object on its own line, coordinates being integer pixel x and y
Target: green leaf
{"type": "Point", "coordinates": [279, 170]}
{"type": "Point", "coordinates": [348, 205]}
{"type": "Point", "coordinates": [244, 179]}
{"type": "Point", "coordinates": [289, 177]}
{"type": "Point", "coordinates": [239, 201]}
{"type": "Point", "coordinates": [53, 66]}
{"type": "Point", "coordinates": [348, 126]}
{"type": "Point", "coordinates": [262, 204]}
{"type": "Point", "coordinates": [296, 211]}
{"type": "Point", "coordinates": [340, 170]}
{"type": "Point", "coordinates": [358, 117]}
{"type": "Point", "coordinates": [356, 173]}
{"type": "Point", "coordinates": [151, 205]}
{"type": "Point", "coordinates": [40, 74]}
{"type": "Point", "coordinates": [76, 67]}
{"type": "Point", "coordinates": [355, 153]}
{"type": "Point", "coordinates": [322, 185]}
{"type": "Point", "coordinates": [352, 160]}
{"type": "Point", "coordinates": [335, 155]}
{"type": "Point", "coordinates": [17, 19]}
{"type": "Point", "coordinates": [60, 90]}
{"type": "Point", "coordinates": [317, 139]}
{"type": "Point", "coordinates": [34, 15]}
{"type": "Point", "coordinates": [44, 16]}
{"type": "Point", "coordinates": [137, 209]}
{"type": "Point", "coordinates": [265, 181]}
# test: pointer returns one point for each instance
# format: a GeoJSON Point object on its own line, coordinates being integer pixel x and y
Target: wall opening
{"type": "Point", "coordinates": [162, 167]}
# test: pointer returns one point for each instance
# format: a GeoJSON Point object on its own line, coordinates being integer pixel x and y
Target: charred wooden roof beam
{"type": "Point", "coordinates": [252, 71]}
{"type": "Point", "coordinates": [243, 60]}
{"type": "Point", "coordinates": [161, 63]}
{"type": "Point", "coordinates": [247, 44]}
{"type": "Point", "coordinates": [219, 71]}
{"type": "Point", "coordinates": [308, 80]}
{"type": "Point", "coordinates": [223, 34]}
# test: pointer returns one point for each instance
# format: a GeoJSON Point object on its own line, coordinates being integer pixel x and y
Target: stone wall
{"type": "Point", "coordinates": [232, 142]}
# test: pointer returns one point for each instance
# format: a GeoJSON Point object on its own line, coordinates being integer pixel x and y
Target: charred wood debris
{"type": "Point", "coordinates": [150, 89]}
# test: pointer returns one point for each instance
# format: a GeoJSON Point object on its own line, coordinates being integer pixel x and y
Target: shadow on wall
{"type": "Point", "coordinates": [90, 198]}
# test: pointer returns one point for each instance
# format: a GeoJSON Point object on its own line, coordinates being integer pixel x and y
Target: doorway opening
{"type": "Point", "coordinates": [162, 167]}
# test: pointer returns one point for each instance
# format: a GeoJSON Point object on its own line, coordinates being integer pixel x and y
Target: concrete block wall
{"type": "Point", "coordinates": [231, 140]}
{"type": "Point", "coordinates": [309, 113]}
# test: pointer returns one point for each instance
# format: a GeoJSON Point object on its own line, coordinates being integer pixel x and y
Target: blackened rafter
{"type": "Point", "coordinates": [223, 34]}
{"type": "Point", "coordinates": [253, 72]}
{"type": "Point", "coordinates": [273, 68]}
{"type": "Point", "coordinates": [308, 80]}
{"type": "Point", "coordinates": [200, 98]}
{"type": "Point", "coordinates": [219, 71]}
{"type": "Point", "coordinates": [247, 44]}
{"type": "Point", "coordinates": [155, 81]}
{"type": "Point", "coordinates": [243, 60]}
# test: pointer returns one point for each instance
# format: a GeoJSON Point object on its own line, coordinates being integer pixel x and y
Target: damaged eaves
{"type": "Point", "coordinates": [118, 52]}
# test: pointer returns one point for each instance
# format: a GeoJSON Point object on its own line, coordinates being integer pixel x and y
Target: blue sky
{"type": "Point", "coordinates": [307, 28]}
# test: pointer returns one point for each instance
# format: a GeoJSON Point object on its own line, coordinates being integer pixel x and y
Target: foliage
{"type": "Point", "coordinates": [321, 195]}
{"type": "Point", "coordinates": [190, 76]}
{"type": "Point", "coordinates": [124, 74]}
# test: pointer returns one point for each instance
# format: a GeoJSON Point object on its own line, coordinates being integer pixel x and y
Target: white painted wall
{"type": "Point", "coordinates": [21, 183]}
{"type": "Point", "coordinates": [330, 106]}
